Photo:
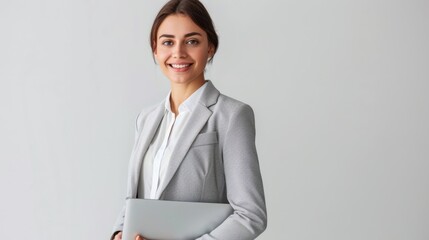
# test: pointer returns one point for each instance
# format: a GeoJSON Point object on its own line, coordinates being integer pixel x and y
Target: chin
{"type": "Point", "coordinates": [183, 79]}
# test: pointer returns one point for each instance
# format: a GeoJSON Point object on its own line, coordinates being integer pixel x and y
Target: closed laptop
{"type": "Point", "coordinates": [162, 220]}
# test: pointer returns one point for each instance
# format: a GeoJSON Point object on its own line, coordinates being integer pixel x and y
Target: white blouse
{"type": "Point", "coordinates": [158, 155]}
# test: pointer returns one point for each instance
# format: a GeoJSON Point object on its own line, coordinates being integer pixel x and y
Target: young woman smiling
{"type": "Point", "coordinates": [181, 50]}
{"type": "Point", "coordinates": [197, 145]}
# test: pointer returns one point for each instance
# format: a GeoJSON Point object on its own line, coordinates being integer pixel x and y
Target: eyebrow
{"type": "Point", "coordinates": [186, 35]}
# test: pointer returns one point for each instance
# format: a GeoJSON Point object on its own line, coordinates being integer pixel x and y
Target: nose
{"type": "Point", "coordinates": [179, 51]}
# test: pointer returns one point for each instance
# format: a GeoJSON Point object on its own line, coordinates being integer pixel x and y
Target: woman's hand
{"type": "Point", "coordinates": [118, 236]}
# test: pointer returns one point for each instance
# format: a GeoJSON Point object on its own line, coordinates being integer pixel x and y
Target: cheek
{"type": "Point", "coordinates": [161, 56]}
{"type": "Point", "coordinates": [201, 55]}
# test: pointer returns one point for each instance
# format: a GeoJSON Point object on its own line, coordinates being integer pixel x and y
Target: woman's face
{"type": "Point", "coordinates": [182, 49]}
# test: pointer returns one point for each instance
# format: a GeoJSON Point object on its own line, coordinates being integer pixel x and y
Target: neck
{"type": "Point", "coordinates": [180, 92]}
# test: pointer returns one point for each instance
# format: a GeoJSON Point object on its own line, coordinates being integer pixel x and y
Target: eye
{"type": "Point", "coordinates": [167, 43]}
{"type": "Point", "coordinates": [192, 42]}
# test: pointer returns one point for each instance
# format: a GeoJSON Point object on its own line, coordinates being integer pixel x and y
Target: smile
{"type": "Point", "coordinates": [179, 66]}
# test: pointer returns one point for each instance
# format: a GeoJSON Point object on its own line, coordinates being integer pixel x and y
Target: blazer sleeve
{"type": "Point", "coordinates": [119, 223]}
{"type": "Point", "coordinates": [243, 180]}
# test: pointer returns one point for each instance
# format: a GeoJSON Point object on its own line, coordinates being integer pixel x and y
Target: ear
{"type": "Point", "coordinates": [211, 51]}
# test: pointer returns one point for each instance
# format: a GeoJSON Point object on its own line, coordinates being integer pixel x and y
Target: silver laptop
{"type": "Point", "coordinates": [161, 220]}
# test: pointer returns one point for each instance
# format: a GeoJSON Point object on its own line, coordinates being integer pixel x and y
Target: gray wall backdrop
{"type": "Point", "coordinates": [340, 90]}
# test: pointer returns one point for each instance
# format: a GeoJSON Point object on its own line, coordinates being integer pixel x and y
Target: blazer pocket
{"type": "Point", "coordinates": [205, 139]}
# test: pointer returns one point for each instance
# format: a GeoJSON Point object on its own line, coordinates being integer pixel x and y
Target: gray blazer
{"type": "Point", "coordinates": [215, 161]}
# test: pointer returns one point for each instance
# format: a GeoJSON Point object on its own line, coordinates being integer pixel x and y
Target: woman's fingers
{"type": "Point", "coordinates": [118, 236]}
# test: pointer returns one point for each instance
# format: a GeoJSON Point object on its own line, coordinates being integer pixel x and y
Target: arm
{"type": "Point", "coordinates": [119, 223]}
{"type": "Point", "coordinates": [243, 179]}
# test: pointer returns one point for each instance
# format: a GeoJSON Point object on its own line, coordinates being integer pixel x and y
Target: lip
{"type": "Point", "coordinates": [180, 67]}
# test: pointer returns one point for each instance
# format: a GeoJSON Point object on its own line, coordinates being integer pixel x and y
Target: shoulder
{"type": "Point", "coordinates": [228, 110]}
{"type": "Point", "coordinates": [218, 102]}
{"type": "Point", "coordinates": [233, 106]}
{"type": "Point", "coordinates": [145, 112]}
{"type": "Point", "coordinates": [235, 119]}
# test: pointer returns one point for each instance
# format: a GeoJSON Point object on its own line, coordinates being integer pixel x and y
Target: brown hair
{"type": "Point", "coordinates": [191, 8]}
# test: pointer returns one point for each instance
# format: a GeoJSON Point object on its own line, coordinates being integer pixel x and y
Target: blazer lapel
{"type": "Point", "coordinates": [197, 120]}
{"type": "Point", "coordinates": [144, 139]}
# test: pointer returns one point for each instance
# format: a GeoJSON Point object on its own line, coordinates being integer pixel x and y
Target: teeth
{"type": "Point", "coordinates": [180, 65]}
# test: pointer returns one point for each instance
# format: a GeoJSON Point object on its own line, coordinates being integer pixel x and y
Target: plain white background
{"type": "Point", "coordinates": [340, 91]}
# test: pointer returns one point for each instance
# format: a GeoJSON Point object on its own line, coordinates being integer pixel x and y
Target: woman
{"type": "Point", "coordinates": [198, 145]}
